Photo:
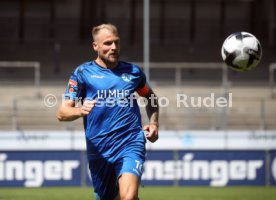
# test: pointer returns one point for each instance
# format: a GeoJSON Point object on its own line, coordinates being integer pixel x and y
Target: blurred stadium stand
{"type": "Point", "coordinates": [56, 33]}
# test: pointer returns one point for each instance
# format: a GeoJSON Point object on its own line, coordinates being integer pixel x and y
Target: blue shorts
{"type": "Point", "coordinates": [106, 171]}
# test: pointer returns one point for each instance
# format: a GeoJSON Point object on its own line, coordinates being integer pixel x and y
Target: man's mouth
{"type": "Point", "coordinates": [114, 54]}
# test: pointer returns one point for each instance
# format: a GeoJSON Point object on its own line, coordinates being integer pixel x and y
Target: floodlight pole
{"type": "Point", "coordinates": [146, 37]}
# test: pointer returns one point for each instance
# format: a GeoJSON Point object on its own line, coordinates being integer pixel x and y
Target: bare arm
{"type": "Point", "coordinates": [152, 110]}
{"type": "Point", "coordinates": [68, 112]}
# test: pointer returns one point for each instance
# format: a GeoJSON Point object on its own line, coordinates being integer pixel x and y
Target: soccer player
{"type": "Point", "coordinates": [115, 138]}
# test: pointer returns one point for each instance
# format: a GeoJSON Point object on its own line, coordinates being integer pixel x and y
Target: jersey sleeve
{"type": "Point", "coordinates": [143, 88]}
{"type": "Point", "coordinates": [75, 88]}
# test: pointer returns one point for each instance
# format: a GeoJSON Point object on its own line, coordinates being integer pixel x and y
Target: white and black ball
{"type": "Point", "coordinates": [241, 51]}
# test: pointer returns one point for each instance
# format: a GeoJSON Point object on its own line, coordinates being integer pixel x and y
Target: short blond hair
{"type": "Point", "coordinates": [112, 28]}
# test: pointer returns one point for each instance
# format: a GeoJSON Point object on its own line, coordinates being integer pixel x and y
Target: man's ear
{"type": "Point", "coordinates": [95, 46]}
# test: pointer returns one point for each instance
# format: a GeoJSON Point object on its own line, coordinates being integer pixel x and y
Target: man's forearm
{"type": "Point", "coordinates": [152, 109]}
{"type": "Point", "coordinates": [68, 113]}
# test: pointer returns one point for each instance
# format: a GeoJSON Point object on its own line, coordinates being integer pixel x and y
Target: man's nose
{"type": "Point", "coordinates": [114, 45]}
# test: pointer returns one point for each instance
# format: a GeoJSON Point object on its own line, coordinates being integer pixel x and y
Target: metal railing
{"type": "Point", "coordinates": [272, 68]}
{"type": "Point", "coordinates": [26, 64]}
{"type": "Point", "coordinates": [178, 66]}
{"type": "Point", "coordinates": [23, 64]}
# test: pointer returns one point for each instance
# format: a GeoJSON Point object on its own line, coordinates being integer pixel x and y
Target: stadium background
{"type": "Point", "coordinates": [185, 42]}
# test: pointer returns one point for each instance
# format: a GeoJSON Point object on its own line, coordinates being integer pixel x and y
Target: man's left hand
{"type": "Point", "coordinates": [152, 132]}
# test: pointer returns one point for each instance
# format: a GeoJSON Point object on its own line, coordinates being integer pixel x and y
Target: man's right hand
{"type": "Point", "coordinates": [87, 106]}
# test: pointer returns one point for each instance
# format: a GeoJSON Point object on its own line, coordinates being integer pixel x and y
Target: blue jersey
{"type": "Point", "coordinates": [115, 122]}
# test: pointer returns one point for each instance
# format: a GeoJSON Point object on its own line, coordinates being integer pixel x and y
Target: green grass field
{"type": "Point", "coordinates": [146, 193]}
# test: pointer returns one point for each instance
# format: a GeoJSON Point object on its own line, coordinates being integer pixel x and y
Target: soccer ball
{"type": "Point", "coordinates": [241, 51]}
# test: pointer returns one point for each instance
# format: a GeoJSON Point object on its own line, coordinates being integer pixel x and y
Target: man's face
{"type": "Point", "coordinates": [107, 44]}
